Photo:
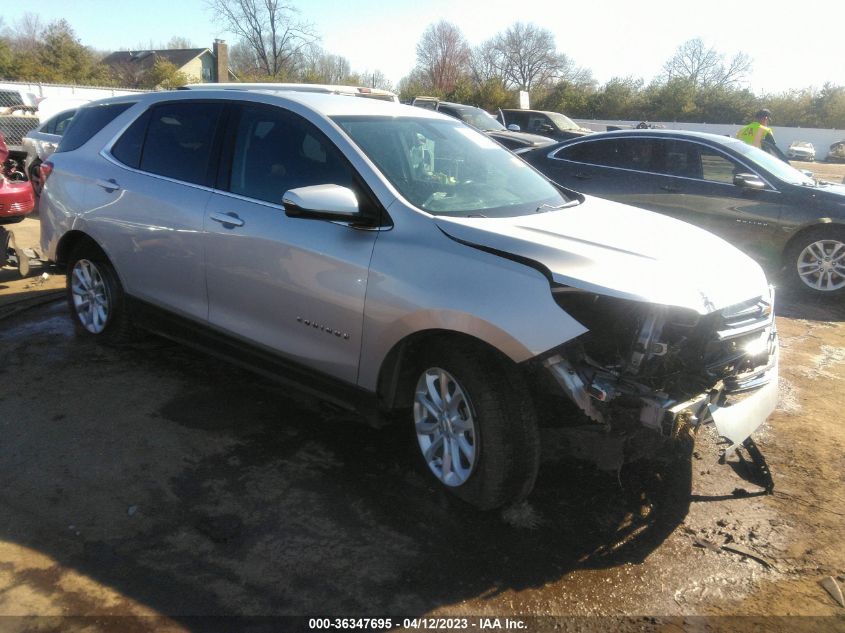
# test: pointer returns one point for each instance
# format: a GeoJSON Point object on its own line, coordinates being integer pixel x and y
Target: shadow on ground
{"type": "Point", "coordinates": [199, 489]}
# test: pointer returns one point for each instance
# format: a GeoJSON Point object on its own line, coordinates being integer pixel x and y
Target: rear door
{"type": "Point", "coordinates": [147, 203]}
{"type": "Point", "coordinates": [618, 169]}
{"type": "Point", "coordinates": [295, 286]}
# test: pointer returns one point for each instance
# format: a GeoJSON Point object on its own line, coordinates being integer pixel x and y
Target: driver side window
{"type": "Point", "coordinates": [276, 150]}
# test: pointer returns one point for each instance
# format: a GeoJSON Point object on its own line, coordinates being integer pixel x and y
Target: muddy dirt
{"type": "Point", "coordinates": [156, 482]}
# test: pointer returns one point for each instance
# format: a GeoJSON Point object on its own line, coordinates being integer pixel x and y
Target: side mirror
{"type": "Point", "coordinates": [545, 128]}
{"type": "Point", "coordinates": [513, 127]}
{"type": "Point", "coordinates": [322, 202]}
{"type": "Point", "coordinates": [749, 181]}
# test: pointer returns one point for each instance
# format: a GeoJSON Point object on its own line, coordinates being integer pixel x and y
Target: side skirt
{"type": "Point", "coordinates": [350, 399]}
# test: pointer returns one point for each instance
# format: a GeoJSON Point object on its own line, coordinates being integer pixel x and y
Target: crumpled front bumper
{"type": "Point", "coordinates": [737, 407]}
{"type": "Point", "coordinates": [736, 415]}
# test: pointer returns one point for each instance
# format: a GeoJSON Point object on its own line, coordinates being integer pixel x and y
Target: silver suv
{"type": "Point", "coordinates": [406, 267]}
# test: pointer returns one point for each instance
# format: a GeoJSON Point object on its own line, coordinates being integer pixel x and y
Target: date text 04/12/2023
{"type": "Point", "coordinates": [411, 624]}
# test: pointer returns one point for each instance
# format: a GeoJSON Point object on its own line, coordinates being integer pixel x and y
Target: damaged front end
{"type": "Point", "coordinates": [646, 375]}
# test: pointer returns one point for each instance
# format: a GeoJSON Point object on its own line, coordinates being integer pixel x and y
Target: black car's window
{"type": "Point", "coordinates": [536, 123]}
{"type": "Point", "coordinates": [636, 154]}
{"type": "Point", "coordinates": [692, 160]}
{"type": "Point", "coordinates": [127, 149]}
{"type": "Point", "coordinates": [448, 111]}
{"type": "Point", "coordinates": [718, 168]}
{"type": "Point", "coordinates": [179, 140]}
{"type": "Point", "coordinates": [87, 122]}
{"type": "Point", "coordinates": [516, 118]}
{"type": "Point", "coordinates": [277, 150]}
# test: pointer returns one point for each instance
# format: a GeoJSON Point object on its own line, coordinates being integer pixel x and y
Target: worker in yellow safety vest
{"type": "Point", "coordinates": [759, 134]}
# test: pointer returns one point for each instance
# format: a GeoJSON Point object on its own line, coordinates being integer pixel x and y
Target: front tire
{"type": "Point", "coordinates": [816, 262]}
{"type": "Point", "coordinates": [475, 426]}
{"type": "Point", "coordinates": [95, 297]}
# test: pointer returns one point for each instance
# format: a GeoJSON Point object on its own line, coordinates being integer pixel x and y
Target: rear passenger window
{"type": "Point", "coordinates": [179, 140]}
{"type": "Point", "coordinates": [625, 153]}
{"type": "Point", "coordinates": [276, 150]}
{"type": "Point", "coordinates": [87, 122]}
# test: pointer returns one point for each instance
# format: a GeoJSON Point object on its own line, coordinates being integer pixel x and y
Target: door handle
{"type": "Point", "coordinates": [109, 185]}
{"type": "Point", "coordinates": [671, 189]}
{"type": "Point", "coordinates": [582, 176]}
{"type": "Point", "coordinates": [228, 220]}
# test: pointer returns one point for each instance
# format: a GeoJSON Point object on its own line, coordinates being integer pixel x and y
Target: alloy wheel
{"type": "Point", "coordinates": [91, 298]}
{"type": "Point", "coordinates": [445, 426]}
{"type": "Point", "coordinates": [821, 265]}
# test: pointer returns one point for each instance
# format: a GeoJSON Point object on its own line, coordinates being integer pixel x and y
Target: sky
{"type": "Point", "coordinates": [792, 46]}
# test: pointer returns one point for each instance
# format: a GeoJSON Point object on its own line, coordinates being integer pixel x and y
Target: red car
{"type": "Point", "coordinates": [16, 198]}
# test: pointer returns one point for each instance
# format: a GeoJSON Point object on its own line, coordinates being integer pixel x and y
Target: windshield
{"type": "Point", "coordinates": [784, 171]}
{"type": "Point", "coordinates": [563, 122]}
{"type": "Point", "coordinates": [479, 119]}
{"type": "Point", "coordinates": [446, 168]}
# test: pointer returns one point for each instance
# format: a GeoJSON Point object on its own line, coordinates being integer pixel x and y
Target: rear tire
{"type": "Point", "coordinates": [816, 262]}
{"type": "Point", "coordinates": [475, 425]}
{"type": "Point", "coordinates": [95, 297]}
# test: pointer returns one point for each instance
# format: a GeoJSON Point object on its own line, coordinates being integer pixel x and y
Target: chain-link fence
{"type": "Point", "coordinates": [14, 127]}
{"type": "Point", "coordinates": [23, 106]}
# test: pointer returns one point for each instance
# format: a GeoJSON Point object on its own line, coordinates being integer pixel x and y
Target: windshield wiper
{"type": "Point", "coordinates": [543, 208]}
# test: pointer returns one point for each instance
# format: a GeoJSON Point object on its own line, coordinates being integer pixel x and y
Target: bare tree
{"type": "Point", "coordinates": [528, 57]}
{"type": "Point", "coordinates": [485, 63]}
{"type": "Point", "coordinates": [705, 67]}
{"type": "Point", "coordinates": [179, 41]}
{"type": "Point", "coordinates": [323, 67]}
{"type": "Point", "coordinates": [443, 55]}
{"type": "Point", "coordinates": [243, 61]}
{"type": "Point", "coordinates": [270, 28]}
{"type": "Point", "coordinates": [27, 33]}
{"type": "Point", "coordinates": [375, 79]}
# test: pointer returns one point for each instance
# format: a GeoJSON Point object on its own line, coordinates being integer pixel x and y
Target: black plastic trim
{"type": "Point", "coordinates": [205, 338]}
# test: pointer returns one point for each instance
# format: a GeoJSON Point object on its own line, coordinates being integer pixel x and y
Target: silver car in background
{"type": "Point", "coordinates": [40, 143]}
{"type": "Point", "coordinates": [408, 268]}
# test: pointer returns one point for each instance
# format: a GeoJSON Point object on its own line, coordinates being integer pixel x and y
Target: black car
{"type": "Point", "coordinates": [481, 120]}
{"type": "Point", "coordinates": [552, 124]}
{"type": "Point", "coordinates": [753, 200]}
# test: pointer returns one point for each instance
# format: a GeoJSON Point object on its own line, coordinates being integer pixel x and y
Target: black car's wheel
{"type": "Point", "coordinates": [95, 296]}
{"type": "Point", "coordinates": [475, 426]}
{"type": "Point", "coordinates": [816, 261]}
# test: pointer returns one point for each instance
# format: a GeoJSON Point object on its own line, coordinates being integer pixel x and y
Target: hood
{"type": "Point", "coordinates": [613, 249]}
{"type": "Point", "coordinates": [528, 140]}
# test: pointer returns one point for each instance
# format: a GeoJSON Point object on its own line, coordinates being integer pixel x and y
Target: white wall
{"type": "Point", "coordinates": [821, 139]}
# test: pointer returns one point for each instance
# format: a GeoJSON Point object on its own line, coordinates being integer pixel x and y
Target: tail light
{"type": "Point", "coordinates": [45, 169]}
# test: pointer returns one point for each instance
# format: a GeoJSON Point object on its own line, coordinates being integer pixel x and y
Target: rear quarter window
{"type": "Point", "coordinates": [87, 122]}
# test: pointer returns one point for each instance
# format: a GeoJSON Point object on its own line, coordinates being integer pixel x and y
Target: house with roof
{"type": "Point", "coordinates": [197, 64]}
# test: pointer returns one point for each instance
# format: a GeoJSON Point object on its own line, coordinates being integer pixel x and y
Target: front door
{"type": "Point", "coordinates": [697, 185]}
{"type": "Point", "coordinates": [294, 286]}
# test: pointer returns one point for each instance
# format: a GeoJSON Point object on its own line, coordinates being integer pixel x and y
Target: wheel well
{"type": "Point", "coordinates": [396, 376]}
{"type": "Point", "coordinates": [69, 242]}
{"type": "Point", "coordinates": [807, 230]}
